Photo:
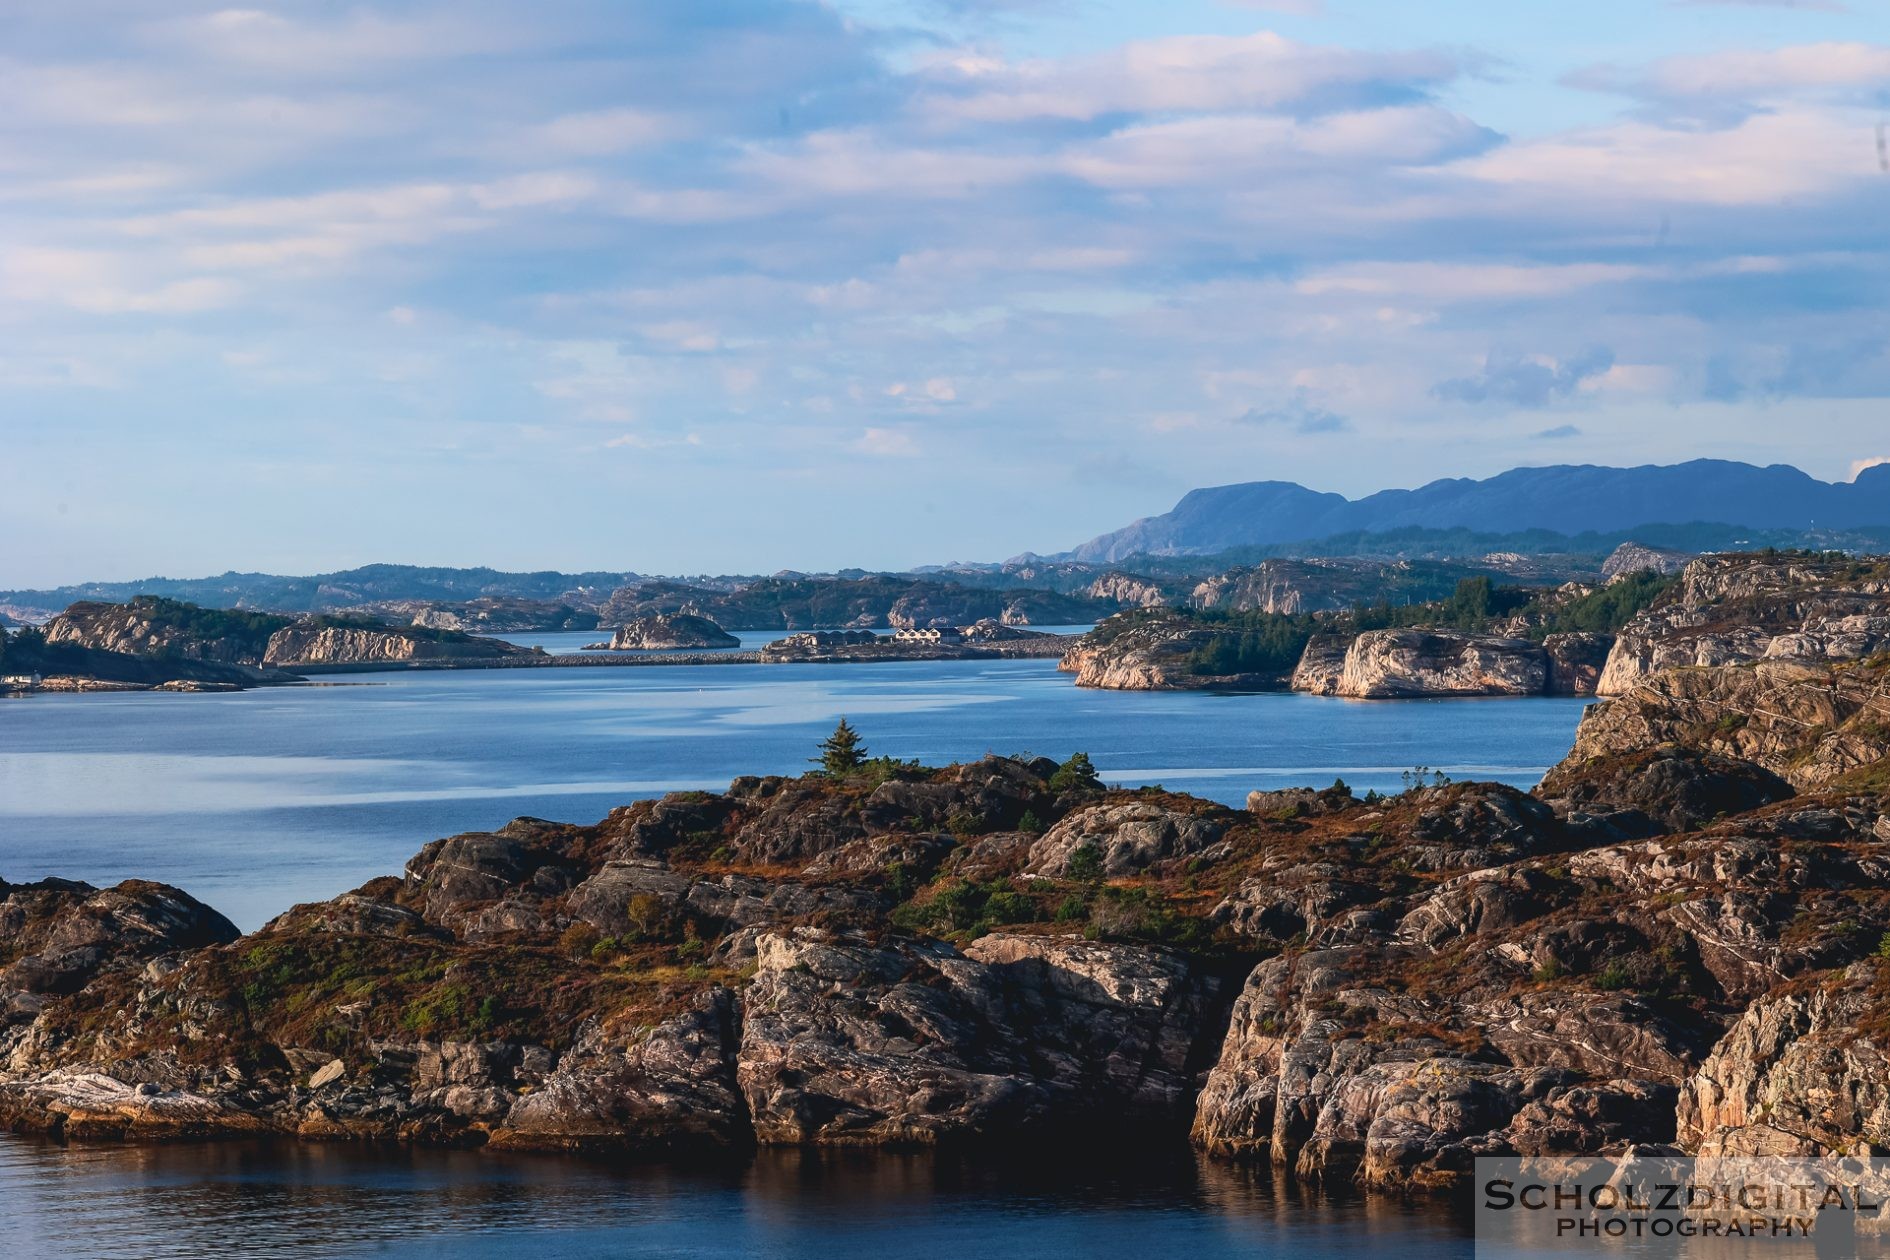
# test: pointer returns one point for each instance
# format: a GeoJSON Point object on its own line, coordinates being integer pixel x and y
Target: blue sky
{"type": "Point", "coordinates": [726, 285]}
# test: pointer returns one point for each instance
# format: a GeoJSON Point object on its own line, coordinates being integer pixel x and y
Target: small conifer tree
{"type": "Point", "coordinates": [841, 753]}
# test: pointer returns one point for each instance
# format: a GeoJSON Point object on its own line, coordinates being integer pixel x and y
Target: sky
{"type": "Point", "coordinates": [734, 286]}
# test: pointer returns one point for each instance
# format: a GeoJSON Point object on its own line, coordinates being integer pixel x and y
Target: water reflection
{"type": "Point", "coordinates": [287, 1199]}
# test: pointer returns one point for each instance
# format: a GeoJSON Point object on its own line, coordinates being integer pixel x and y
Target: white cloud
{"type": "Point", "coordinates": [1749, 74]}
{"type": "Point", "coordinates": [1189, 73]}
{"type": "Point", "coordinates": [1766, 159]}
{"type": "Point", "coordinates": [1874, 461]}
{"type": "Point", "coordinates": [887, 443]}
{"type": "Point", "coordinates": [105, 284]}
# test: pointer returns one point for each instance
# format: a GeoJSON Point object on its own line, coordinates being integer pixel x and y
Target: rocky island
{"type": "Point", "coordinates": [1483, 640]}
{"type": "Point", "coordinates": [152, 641]}
{"type": "Point", "coordinates": [666, 632]}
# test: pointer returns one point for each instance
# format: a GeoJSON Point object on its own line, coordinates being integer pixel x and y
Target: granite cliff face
{"type": "Point", "coordinates": [1385, 664]}
{"type": "Point", "coordinates": [1127, 590]}
{"type": "Point", "coordinates": [1729, 610]}
{"type": "Point", "coordinates": [1810, 723]}
{"type": "Point", "coordinates": [670, 631]}
{"type": "Point", "coordinates": [324, 642]}
{"type": "Point", "coordinates": [1152, 653]}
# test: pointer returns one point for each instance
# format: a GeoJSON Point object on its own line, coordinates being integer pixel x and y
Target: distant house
{"type": "Point", "coordinates": [19, 682]}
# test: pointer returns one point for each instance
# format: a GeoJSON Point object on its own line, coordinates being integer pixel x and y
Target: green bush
{"type": "Point", "coordinates": [1076, 774]}
{"type": "Point", "coordinates": [1085, 864]}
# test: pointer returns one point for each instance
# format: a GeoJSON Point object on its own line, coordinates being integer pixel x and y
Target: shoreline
{"type": "Point", "coordinates": [1048, 647]}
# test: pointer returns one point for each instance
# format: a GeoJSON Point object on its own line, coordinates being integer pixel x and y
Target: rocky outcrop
{"type": "Point", "coordinates": [1145, 653]}
{"type": "Point", "coordinates": [1658, 791]}
{"type": "Point", "coordinates": [1730, 610]}
{"type": "Point", "coordinates": [1386, 664]}
{"type": "Point", "coordinates": [844, 1043]}
{"type": "Point", "coordinates": [479, 616]}
{"type": "Point", "coordinates": [1322, 664]}
{"type": "Point", "coordinates": [1576, 661]}
{"type": "Point", "coordinates": [668, 632]}
{"type": "Point", "coordinates": [1337, 583]}
{"type": "Point", "coordinates": [325, 641]}
{"type": "Point", "coordinates": [792, 602]}
{"type": "Point", "coordinates": [168, 635]}
{"type": "Point", "coordinates": [1802, 1072]}
{"type": "Point", "coordinates": [1810, 724]}
{"type": "Point", "coordinates": [151, 626]}
{"type": "Point", "coordinates": [1126, 838]}
{"type": "Point", "coordinates": [1632, 557]}
{"type": "Point", "coordinates": [1127, 590]}
{"type": "Point", "coordinates": [57, 936]}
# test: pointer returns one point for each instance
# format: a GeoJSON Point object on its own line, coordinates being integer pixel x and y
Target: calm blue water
{"type": "Point", "coordinates": [287, 1200]}
{"type": "Point", "coordinates": [261, 799]}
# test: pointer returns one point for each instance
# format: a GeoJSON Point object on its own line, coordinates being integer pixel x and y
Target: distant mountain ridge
{"type": "Point", "coordinates": [1566, 498]}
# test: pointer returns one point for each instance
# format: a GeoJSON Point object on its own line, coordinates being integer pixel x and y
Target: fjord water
{"type": "Point", "coordinates": [257, 800]}
{"type": "Point", "coordinates": [281, 1199]}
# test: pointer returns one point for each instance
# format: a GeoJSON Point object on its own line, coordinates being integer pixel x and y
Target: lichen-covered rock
{"type": "Point", "coordinates": [1126, 837]}
{"type": "Point", "coordinates": [664, 1087]}
{"type": "Point", "coordinates": [1632, 557]}
{"type": "Point", "coordinates": [1730, 610]}
{"type": "Point", "coordinates": [1322, 665]}
{"type": "Point", "coordinates": [915, 1044]}
{"type": "Point", "coordinates": [1386, 664]}
{"type": "Point", "coordinates": [1810, 724]}
{"type": "Point", "coordinates": [57, 935]}
{"type": "Point", "coordinates": [1659, 791]}
{"type": "Point", "coordinates": [325, 641]}
{"type": "Point", "coordinates": [1302, 802]}
{"type": "Point", "coordinates": [1802, 1072]}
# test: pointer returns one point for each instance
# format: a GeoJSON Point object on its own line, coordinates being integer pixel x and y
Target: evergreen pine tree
{"type": "Point", "coordinates": [841, 753]}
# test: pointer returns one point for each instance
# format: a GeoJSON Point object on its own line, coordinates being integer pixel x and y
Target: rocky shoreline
{"type": "Point", "coordinates": [1679, 941]}
{"type": "Point", "coordinates": [1720, 611]}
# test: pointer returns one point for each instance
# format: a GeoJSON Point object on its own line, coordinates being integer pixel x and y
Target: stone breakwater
{"type": "Point", "coordinates": [1036, 647]}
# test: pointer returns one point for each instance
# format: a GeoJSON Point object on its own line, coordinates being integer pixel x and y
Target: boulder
{"type": "Point", "coordinates": [1126, 837]}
